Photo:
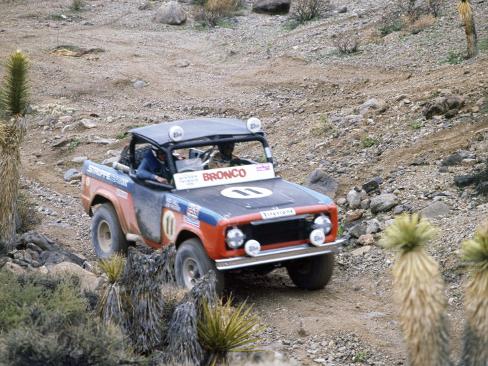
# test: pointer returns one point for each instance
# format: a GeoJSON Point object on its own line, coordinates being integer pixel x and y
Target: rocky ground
{"type": "Point", "coordinates": [403, 115]}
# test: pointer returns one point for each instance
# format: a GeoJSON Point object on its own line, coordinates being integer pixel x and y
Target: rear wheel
{"type": "Point", "coordinates": [106, 233]}
{"type": "Point", "coordinates": [312, 273]}
{"type": "Point", "coordinates": [192, 263]}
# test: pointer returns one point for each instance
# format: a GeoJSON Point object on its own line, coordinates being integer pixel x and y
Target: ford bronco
{"type": "Point", "coordinates": [231, 218]}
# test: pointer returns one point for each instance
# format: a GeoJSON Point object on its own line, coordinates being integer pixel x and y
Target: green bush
{"type": "Point", "coordinates": [394, 25]}
{"type": "Point", "coordinates": [30, 300]}
{"type": "Point", "coordinates": [46, 321]}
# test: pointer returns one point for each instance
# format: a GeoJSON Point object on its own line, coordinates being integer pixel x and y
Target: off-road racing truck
{"type": "Point", "coordinates": [231, 218]}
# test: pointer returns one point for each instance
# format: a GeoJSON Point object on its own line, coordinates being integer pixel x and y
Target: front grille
{"type": "Point", "coordinates": [279, 230]}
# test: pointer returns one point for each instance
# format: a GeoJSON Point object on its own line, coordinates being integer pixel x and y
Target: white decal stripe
{"type": "Point", "coordinates": [272, 214]}
{"type": "Point", "coordinates": [216, 177]}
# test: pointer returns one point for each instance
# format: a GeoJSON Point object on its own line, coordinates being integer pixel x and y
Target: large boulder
{"type": "Point", "coordinates": [447, 106]}
{"type": "Point", "coordinates": [321, 182]}
{"type": "Point", "coordinates": [88, 281]}
{"type": "Point", "coordinates": [271, 6]}
{"type": "Point", "coordinates": [170, 13]}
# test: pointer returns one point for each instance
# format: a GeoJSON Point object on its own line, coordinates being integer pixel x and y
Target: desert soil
{"type": "Point", "coordinates": [304, 91]}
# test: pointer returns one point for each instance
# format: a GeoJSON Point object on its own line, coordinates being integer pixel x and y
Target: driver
{"type": "Point", "coordinates": [224, 157]}
{"type": "Point", "coordinates": [153, 166]}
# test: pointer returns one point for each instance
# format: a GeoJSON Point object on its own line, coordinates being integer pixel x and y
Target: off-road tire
{"type": "Point", "coordinates": [311, 273]}
{"type": "Point", "coordinates": [106, 234]}
{"type": "Point", "coordinates": [191, 253]}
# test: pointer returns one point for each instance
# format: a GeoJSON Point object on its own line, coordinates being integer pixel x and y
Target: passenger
{"type": "Point", "coordinates": [153, 167]}
{"type": "Point", "coordinates": [224, 157]}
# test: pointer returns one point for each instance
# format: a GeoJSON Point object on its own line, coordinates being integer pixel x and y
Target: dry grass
{"type": "Point", "coordinates": [424, 22]}
{"type": "Point", "coordinates": [214, 10]}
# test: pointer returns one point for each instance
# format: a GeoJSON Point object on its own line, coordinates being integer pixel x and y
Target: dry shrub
{"type": "Point", "coordinates": [306, 10]}
{"type": "Point", "coordinates": [27, 216]}
{"type": "Point", "coordinates": [346, 44]}
{"type": "Point", "coordinates": [422, 23]}
{"type": "Point", "coordinates": [214, 10]}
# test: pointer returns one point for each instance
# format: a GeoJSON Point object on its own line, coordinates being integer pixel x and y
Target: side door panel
{"type": "Point", "coordinates": [148, 204]}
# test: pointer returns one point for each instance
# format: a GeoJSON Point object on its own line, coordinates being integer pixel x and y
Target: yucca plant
{"type": "Point", "coordinates": [419, 291]}
{"type": "Point", "coordinates": [13, 101]}
{"type": "Point", "coordinates": [141, 280]}
{"type": "Point", "coordinates": [183, 347]}
{"type": "Point", "coordinates": [113, 303]}
{"type": "Point", "coordinates": [223, 329]}
{"type": "Point", "coordinates": [475, 253]}
{"type": "Point", "coordinates": [466, 14]}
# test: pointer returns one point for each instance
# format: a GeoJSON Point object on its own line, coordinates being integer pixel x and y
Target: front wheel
{"type": "Point", "coordinates": [192, 263]}
{"type": "Point", "coordinates": [312, 273]}
{"type": "Point", "coordinates": [106, 233]}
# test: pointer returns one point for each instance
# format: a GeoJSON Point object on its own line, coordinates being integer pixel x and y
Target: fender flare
{"type": "Point", "coordinates": [104, 196]}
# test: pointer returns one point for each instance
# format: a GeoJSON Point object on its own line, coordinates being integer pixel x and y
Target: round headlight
{"type": "Point", "coordinates": [252, 248]}
{"type": "Point", "coordinates": [322, 222]}
{"type": "Point", "coordinates": [235, 238]}
{"type": "Point", "coordinates": [317, 237]}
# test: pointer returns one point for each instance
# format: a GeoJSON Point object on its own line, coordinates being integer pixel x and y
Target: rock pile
{"type": "Point", "coordinates": [35, 252]}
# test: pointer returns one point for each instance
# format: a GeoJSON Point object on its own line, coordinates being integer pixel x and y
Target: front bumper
{"type": "Point", "coordinates": [278, 255]}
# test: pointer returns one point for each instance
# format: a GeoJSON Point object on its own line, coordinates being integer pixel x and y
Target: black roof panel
{"type": "Point", "coordinates": [193, 129]}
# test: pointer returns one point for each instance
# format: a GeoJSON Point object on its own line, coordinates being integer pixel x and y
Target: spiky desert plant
{"type": "Point", "coordinates": [203, 292]}
{"type": "Point", "coordinates": [223, 329]}
{"type": "Point", "coordinates": [141, 280]}
{"type": "Point", "coordinates": [167, 265]}
{"type": "Point", "coordinates": [113, 303]}
{"type": "Point", "coordinates": [475, 253]}
{"type": "Point", "coordinates": [13, 100]}
{"type": "Point", "coordinates": [466, 14]}
{"type": "Point", "coordinates": [419, 291]}
{"type": "Point", "coordinates": [183, 347]}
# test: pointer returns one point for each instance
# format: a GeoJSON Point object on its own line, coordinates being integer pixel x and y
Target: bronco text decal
{"type": "Point", "coordinates": [215, 177]}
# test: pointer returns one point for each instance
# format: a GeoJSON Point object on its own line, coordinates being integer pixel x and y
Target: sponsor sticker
{"type": "Point", "coordinates": [282, 212]}
{"type": "Point", "coordinates": [246, 192]}
{"type": "Point", "coordinates": [114, 178]}
{"type": "Point", "coordinates": [191, 221]}
{"type": "Point", "coordinates": [172, 204]}
{"type": "Point", "coordinates": [215, 177]}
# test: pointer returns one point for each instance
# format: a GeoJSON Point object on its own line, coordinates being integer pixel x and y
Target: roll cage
{"type": "Point", "coordinates": [169, 147]}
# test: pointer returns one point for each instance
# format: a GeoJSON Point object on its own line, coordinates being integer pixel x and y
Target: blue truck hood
{"type": "Point", "coordinates": [246, 198]}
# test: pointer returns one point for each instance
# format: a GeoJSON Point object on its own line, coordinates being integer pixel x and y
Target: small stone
{"type": "Point", "coordinates": [366, 239]}
{"type": "Point", "coordinates": [357, 230]}
{"type": "Point", "coordinates": [373, 226]}
{"type": "Point", "coordinates": [139, 84]}
{"type": "Point", "coordinates": [342, 10]}
{"type": "Point", "coordinates": [383, 203]}
{"type": "Point", "coordinates": [372, 185]}
{"type": "Point", "coordinates": [435, 209]}
{"type": "Point", "coordinates": [271, 6]}
{"type": "Point", "coordinates": [72, 175]}
{"type": "Point", "coordinates": [464, 180]}
{"type": "Point", "coordinates": [88, 123]}
{"type": "Point", "coordinates": [322, 182]}
{"type": "Point", "coordinates": [361, 251]}
{"type": "Point", "coordinates": [354, 198]}
{"type": "Point", "coordinates": [65, 119]}
{"type": "Point", "coordinates": [170, 13]}
{"type": "Point", "coordinates": [88, 281]}
{"type": "Point", "coordinates": [183, 63]}
{"type": "Point", "coordinates": [354, 215]}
